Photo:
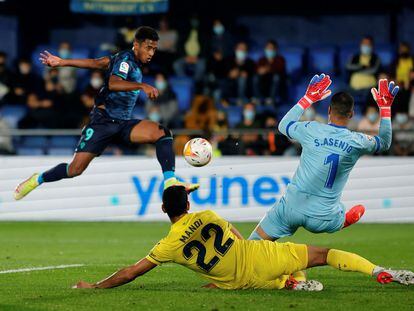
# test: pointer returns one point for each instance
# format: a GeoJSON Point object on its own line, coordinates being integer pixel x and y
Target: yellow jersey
{"type": "Point", "coordinates": [204, 243]}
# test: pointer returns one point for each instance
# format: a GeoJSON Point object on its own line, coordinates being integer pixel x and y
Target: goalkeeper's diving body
{"type": "Point", "coordinates": [207, 244]}
{"type": "Point", "coordinates": [329, 152]}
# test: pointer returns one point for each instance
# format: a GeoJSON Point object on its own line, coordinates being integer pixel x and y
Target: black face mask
{"type": "Point", "coordinates": [221, 122]}
{"type": "Point", "coordinates": [405, 55]}
{"type": "Point", "coordinates": [412, 83]}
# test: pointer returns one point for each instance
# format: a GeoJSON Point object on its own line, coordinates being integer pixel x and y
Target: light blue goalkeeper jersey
{"type": "Point", "coordinates": [329, 152]}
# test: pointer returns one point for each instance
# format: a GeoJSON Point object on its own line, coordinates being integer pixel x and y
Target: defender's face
{"type": "Point", "coordinates": [145, 50]}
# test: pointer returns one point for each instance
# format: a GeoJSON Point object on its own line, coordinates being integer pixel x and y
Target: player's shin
{"type": "Point", "coordinates": [165, 156]}
{"type": "Point", "coordinates": [56, 173]}
{"type": "Point", "coordinates": [346, 261]}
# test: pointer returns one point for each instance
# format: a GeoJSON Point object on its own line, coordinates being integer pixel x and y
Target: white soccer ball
{"type": "Point", "coordinates": [198, 152]}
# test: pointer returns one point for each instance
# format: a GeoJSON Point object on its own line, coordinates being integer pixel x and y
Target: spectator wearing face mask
{"type": "Point", "coordinates": [252, 143]}
{"type": "Point", "coordinates": [221, 39]}
{"type": "Point", "coordinates": [216, 74]}
{"type": "Point", "coordinates": [126, 34]}
{"type": "Point", "coordinates": [6, 77]}
{"type": "Point", "coordinates": [25, 81]}
{"type": "Point", "coordinates": [88, 95]}
{"type": "Point", "coordinates": [369, 124]}
{"type": "Point", "coordinates": [240, 71]}
{"type": "Point", "coordinates": [277, 144]}
{"type": "Point", "coordinates": [363, 66]}
{"type": "Point", "coordinates": [270, 79]}
{"type": "Point", "coordinates": [403, 65]}
{"type": "Point", "coordinates": [403, 140]}
{"type": "Point", "coordinates": [166, 103]}
{"type": "Point", "coordinates": [67, 75]}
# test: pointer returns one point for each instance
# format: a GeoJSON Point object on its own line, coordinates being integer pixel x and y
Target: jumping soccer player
{"type": "Point", "coordinates": [111, 118]}
{"type": "Point", "coordinates": [329, 152]}
{"type": "Point", "coordinates": [212, 247]}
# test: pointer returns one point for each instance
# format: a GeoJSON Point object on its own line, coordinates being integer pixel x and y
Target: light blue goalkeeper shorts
{"type": "Point", "coordinates": [283, 220]}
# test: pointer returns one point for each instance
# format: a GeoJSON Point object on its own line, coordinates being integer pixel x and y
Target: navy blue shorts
{"type": "Point", "coordinates": [103, 130]}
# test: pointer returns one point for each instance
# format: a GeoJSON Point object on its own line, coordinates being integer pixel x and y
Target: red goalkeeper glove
{"type": "Point", "coordinates": [384, 96]}
{"type": "Point", "coordinates": [316, 91]}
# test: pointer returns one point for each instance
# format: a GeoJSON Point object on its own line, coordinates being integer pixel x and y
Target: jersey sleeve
{"type": "Point", "coordinates": [160, 253]}
{"type": "Point", "coordinates": [367, 143]}
{"type": "Point", "coordinates": [298, 130]}
{"type": "Point", "coordinates": [122, 66]}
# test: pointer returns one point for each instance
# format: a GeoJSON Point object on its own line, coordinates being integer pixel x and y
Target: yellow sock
{"type": "Point", "coordinates": [345, 261]}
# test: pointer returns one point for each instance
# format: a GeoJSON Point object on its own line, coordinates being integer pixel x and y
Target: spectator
{"type": "Point", "coordinates": [25, 81]}
{"type": "Point", "coordinates": [202, 115]}
{"type": "Point", "coordinates": [240, 71]}
{"type": "Point", "coordinates": [410, 101]}
{"type": "Point", "coordinates": [6, 76]}
{"type": "Point", "coordinates": [67, 75]}
{"type": "Point", "coordinates": [363, 66]}
{"type": "Point", "coordinates": [167, 45]}
{"type": "Point", "coordinates": [403, 140]}
{"type": "Point", "coordinates": [88, 96]}
{"type": "Point", "coordinates": [126, 34]}
{"type": "Point", "coordinates": [253, 144]}
{"type": "Point", "coordinates": [221, 39]}
{"type": "Point", "coordinates": [192, 64]}
{"type": "Point", "coordinates": [6, 144]}
{"type": "Point", "coordinates": [310, 114]}
{"type": "Point", "coordinates": [276, 144]}
{"type": "Point", "coordinates": [166, 102]}
{"type": "Point", "coordinates": [216, 74]}
{"type": "Point", "coordinates": [40, 113]}
{"type": "Point", "coordinates": [404, 64]}
{"type": "Point", "coordinates": [270, 81]}
{"type": "Point", "coordinates": [370, 122]}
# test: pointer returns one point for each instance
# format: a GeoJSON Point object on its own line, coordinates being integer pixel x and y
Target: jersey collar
{"type": "Point", "coordinates": [338, 126]}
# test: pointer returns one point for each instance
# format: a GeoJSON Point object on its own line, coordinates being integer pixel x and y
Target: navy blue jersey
{"type": "Point", "coordinates": [119, 105]}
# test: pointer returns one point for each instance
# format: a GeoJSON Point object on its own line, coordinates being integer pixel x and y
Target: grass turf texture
{"type": "Point", "coordinates": [105, 247]}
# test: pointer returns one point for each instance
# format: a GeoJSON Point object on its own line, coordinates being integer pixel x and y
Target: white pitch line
{"type": "Point", "coordinates": [41, 268]}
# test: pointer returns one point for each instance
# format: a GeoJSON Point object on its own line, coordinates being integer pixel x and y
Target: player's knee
{"type": "Point", "coordinates": [76, 169]}
{"type": "Point", "coordinates": [317, 256]}
{"type": "Point", "coordinates": [162, 132]}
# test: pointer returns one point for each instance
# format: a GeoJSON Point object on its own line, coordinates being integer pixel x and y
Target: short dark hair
{"type": "Point", "coordinates": [273, 42]}
{"type": "Point", "coordinates": [342, 104]}
{"type": "Point", "coordinates": [175, 199]}
{"type": "Point", "coordinates": [144, 32]}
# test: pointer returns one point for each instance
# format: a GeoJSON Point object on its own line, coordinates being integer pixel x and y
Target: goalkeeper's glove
{"type": "Point", "coordinates": [384, 96]}
{"type": "Point", "coordinates": [316, 91]}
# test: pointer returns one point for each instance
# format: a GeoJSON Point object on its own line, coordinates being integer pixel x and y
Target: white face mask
{"type": "Point", "coordinates": [96, 83]}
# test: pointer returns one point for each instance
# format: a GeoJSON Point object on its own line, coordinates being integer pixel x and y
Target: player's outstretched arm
{"type": "Point", "coordinates": [122, 276]}
{"type": "Point", "coordinates": [384, 98]}
{"type": "Point", "coordinates": [51, 60]}
{"type": "Point", "coordinates": [117, 84]}
{"type": "Point", "coordinates": [317, 90]}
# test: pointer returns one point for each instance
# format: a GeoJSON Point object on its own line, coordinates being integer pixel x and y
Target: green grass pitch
{"type": "Point", "coordinates": [105, 247]}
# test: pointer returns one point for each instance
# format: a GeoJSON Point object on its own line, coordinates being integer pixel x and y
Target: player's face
{"type": "Point", "coordinates": [145, 50]}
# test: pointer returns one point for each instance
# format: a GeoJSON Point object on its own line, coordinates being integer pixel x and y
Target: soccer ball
{"type": "Point", "coordinates": [198, 152]}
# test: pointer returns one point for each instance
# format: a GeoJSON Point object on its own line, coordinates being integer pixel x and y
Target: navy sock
{"type": "Point", "coordinates": [56, 173]}
{"type": "Point", "coordinates": [166, 156]}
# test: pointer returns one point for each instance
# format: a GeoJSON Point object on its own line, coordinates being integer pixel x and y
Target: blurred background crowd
{"type": "Point", "coordinates": [224, 79]}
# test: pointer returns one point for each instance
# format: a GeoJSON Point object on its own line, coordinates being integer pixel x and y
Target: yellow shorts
{"type": "Point", "coordinates": [272, 261]}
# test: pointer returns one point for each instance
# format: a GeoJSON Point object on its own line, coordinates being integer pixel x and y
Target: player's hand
{"type": "Point", "coordinates": [316, 91]}
{"type": "Point", "coordinates": [50, 60]}
{"type": "Point", "coordinates": [151, 91]}
{"type": "Point", "coordinates": [83, 284]}
{"type": "Point", "coordinates": [384, 96]}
